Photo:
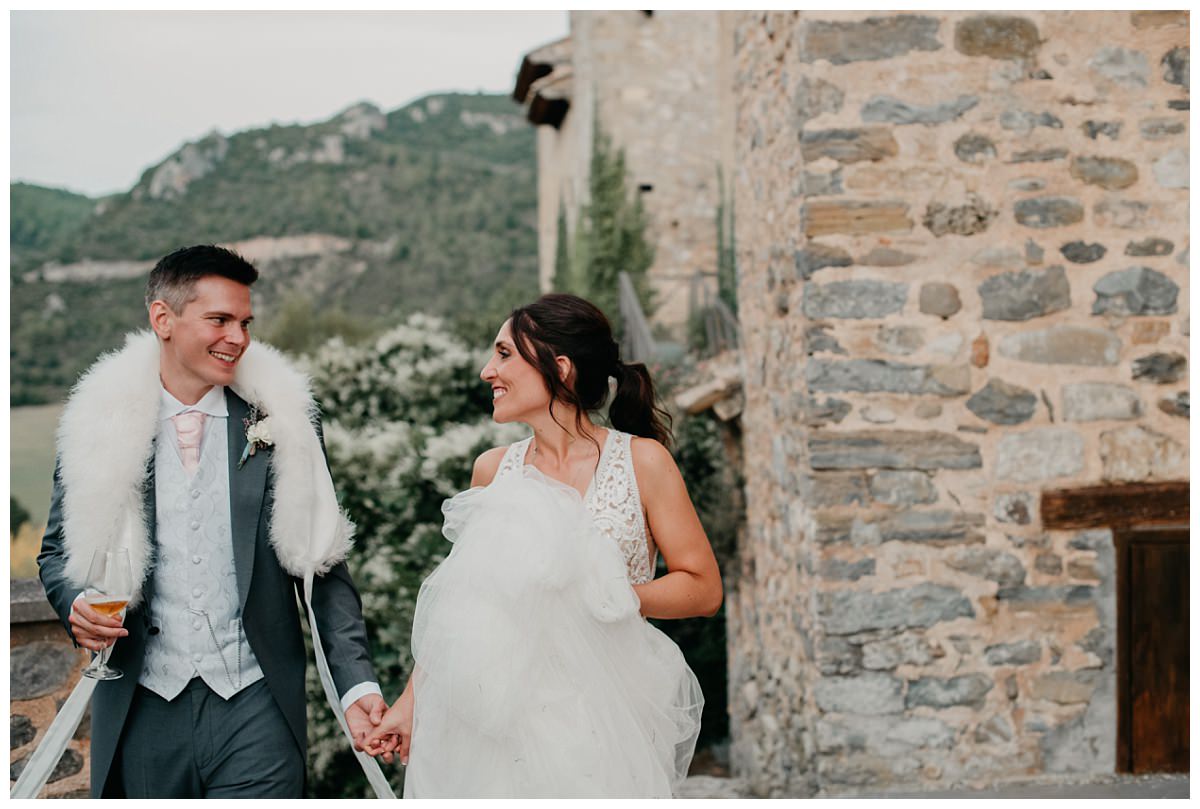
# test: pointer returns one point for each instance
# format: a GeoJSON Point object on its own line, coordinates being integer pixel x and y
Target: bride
{"type": "Point", "coordinates": [536, 673]}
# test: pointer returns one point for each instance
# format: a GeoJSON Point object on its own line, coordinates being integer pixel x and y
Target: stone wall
{"type": "Point", "coordinates": [652, 79]}
{"type": "Point", "coordinates": [963, 254]}
{"type": "Point", "coordinates": [44, 668]}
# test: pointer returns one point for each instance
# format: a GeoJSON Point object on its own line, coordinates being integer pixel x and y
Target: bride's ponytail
{"type": "Point", "coordinates": [635, 407]}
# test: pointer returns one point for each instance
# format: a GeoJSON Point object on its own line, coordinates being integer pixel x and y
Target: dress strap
{"type": "Point", "coordinates": [514, 457]}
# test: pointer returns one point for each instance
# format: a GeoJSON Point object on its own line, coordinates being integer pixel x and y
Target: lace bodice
{"type": "Point", "coordinates": [613, 500]}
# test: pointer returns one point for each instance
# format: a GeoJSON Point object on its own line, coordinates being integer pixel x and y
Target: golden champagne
{"type": "Point", "coordinates": [109, 606]}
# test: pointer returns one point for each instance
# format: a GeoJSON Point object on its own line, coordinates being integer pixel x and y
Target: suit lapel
{"type": "Point", "coordinates": [247, 488]}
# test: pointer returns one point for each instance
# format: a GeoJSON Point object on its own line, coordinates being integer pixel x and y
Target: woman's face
{"type": "Point", "coordinates": [518, 389]}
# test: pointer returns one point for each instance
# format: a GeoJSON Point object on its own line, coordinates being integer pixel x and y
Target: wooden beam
{"type": "Point", "coordinates": [1124, 505]}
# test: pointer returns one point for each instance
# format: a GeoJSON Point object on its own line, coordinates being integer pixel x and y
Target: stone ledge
{"type": "Point", "coordinates": [27, 602]}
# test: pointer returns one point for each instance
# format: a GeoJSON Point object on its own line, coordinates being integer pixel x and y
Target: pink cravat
{"type": "Point", "coordinates": [189, 429]}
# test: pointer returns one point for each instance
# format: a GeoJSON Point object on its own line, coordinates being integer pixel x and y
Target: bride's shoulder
{"type": "Point", "coordinates": [486, 466]}
{"type": "Point", "coordinates": [651, 460]}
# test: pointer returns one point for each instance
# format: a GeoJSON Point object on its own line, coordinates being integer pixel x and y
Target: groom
{"type": "Point", "coordinates": [154, 456]}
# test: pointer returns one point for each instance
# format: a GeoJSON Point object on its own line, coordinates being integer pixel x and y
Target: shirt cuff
{"type": "Point", "coordinates": [358, 692]}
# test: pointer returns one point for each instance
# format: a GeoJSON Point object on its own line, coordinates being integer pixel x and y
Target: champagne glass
{"type": "Point", "coordinates": [109, 588]}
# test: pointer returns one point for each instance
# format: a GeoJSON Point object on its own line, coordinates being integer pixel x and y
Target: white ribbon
{"type": "Point", "coordinates": [50, 748]}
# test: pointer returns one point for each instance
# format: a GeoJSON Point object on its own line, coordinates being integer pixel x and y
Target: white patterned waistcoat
{"type": "Point", "coordinates": [195, 604]}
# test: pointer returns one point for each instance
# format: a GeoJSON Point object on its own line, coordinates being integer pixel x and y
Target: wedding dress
{"type": "Point", "coordinates": [536, 676]}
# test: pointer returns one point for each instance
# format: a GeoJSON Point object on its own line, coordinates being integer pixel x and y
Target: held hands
{"type": "Point", "coordinates": [393, 736]}
{"type": "Point", "coordinates": [91, 629]}
{"type": "Point", "coordinates": [363, 716]}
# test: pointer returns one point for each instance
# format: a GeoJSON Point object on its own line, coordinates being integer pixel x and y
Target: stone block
{"type": "Point", "coordinates": [974, 148]}
{"type": "Point", "coordinates": [1148, 332]}
{"type": "Point", "coordinates": [904, 649]}
{"type": "Point", "coordinates": [1002, 403]}
{"type": "Point", "coordinates": [1109, 129]}
{"type": "Point", "coordinates": [1040, 597]}
{"type": "Point", "coordinates": [1063, 345]}
{"type": "Point", "coordinates": [1127, 214]}
{"type": "Point", "coordinates": [814, 97]}
{"type": "Point", "coordinates": [849, 145]}
{"type": "Point", "coordinates": [988, 563]}
{"type": "Point", "coordinates": [817, 338]}
{"type": "Point", "coordinates": [961, 220]}
{"type": "Point", "coordinates": [1091, 540]}
{"type": "Point", "coordinates": [40, 668]}
{"type": "Point", "coordinates": [877, 415]}
{"type": "Point", "coordinates": [835, 489]}
{"type": "Point", "coordinates": [1100, 401]}
{"type": "Point", "coordinates": [892, 449]}
{"type": "Point", "coordinates": [1049, 563]}
{"type": "Point", "coordinates": [847, 612]}
{"type": "Point", "coordinates": [1083, 568]}
{"type": "Point", "coordinates": [1161, 128]}
{"type": "Point", "coordinates": [886, 257]}
{"type": "Point", "coordinates": [881, 736]}
{"type": "Point", "coordinates": [1122, 66]}
{"type": "Point", "coordinates": [1018, 653]}
{"type": "Point", "coordinates": [822, 218]}
{"type": "Point", "coordinates": [902, 487]}
{"type": "Point", "coordinates": [936, 692]}
{"type": "Point", "coordinates": [1158, 19]}
{"type": "Point", "coordinates": [1029, 184]}
{"type": "Point", "coordinates": [887, 109]}
{"type": "Point", "coordinates": [1172, 170]}
{"type": "Point", "coordinates": [1176, 67]}
{"type": "Point", "coordinates": [997, 37]}
{"type": "Point", "coordinates": [20, 731]}
{"type": "Point", "coordinates": [1150, 247]}
{"type": "Point", "coordinates": [818, 412]}
{"type": "Point", "coordinates": [868, 40]}
{"type": "Point", "coordinates": [836, 655]}
{"type": "Point", "coordinates": [1082, 252]}
{"type": "Point", "coordinates": [1064, 687]}
{"type": "Point", "coordinates": [1024, 295]}
{"type": "Point", "coordinates": [869, 693]}
{"type": "Point", "coordinates": [843, 570]}
{"type": "Point", "coordinates": [822, 185]}
{"type": "Point", "coordinates": [1135, 291]}
{"type": "Point", "coordinates": [68, 764]}
{"type": "Point", "coordinates": [1014, 508]}
{"type": "Point", "coordinates": [1025, 121]}
{"type": "Point", "coordinates": [817, 256]}
{"type": "Point", "coordinates": [1178, 405]}
{"type": "Point", "coordinates": [995, 730]}
{"type": "Point", "coordinates": [900, 340]}
{"type": "Point", "coordinates": [939, 298]}
{"type": "Point", "coordinates": [1038, 156]}
{"type": "Point", "coordinates": [1112, 173]}
{"type": "Point", "coordinates": [932, 527]}
{"type": "Point", "coordinates": [1048, 212]}
{"type": "Point", "coordinates": [854, 299]}
{"type": "Point", "coordinates": [882, 376]}
{"type": "Point", "coordinates": [1039, 454]}
{"type": "Point", "coordinates": [1137, 453]}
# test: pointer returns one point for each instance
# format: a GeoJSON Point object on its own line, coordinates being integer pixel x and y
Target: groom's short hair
{"type": "Point", "coordinates": [173, 279]}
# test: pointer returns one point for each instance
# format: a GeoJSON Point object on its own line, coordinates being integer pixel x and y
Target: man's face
{"type": "Point", "coordinates": [201, 345]}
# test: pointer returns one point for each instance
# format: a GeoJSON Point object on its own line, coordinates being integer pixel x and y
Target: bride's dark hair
{"type": "Point", "coordinates": [557, 324]}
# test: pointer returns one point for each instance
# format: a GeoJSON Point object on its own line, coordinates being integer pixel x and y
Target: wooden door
{"type": "Point", "coordinates": [1152, 671]}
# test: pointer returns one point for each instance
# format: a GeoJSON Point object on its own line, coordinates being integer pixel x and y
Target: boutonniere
{"type": "Point", "coordinates": [258, 434]}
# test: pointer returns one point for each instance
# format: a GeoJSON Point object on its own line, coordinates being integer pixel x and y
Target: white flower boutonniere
{"type": "Point", "coordinates": [258, 434]}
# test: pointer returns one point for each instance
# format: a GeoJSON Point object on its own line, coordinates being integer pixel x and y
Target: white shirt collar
{"type": "Point", "coordinates": [212, 404]}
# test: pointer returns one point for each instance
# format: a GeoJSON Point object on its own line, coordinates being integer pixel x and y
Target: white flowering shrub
{"type": "Point", "coordinates": [405, 418]}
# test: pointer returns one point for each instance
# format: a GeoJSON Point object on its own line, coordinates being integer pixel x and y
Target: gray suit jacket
{"type": "Point", "coordinates": [270, 611]}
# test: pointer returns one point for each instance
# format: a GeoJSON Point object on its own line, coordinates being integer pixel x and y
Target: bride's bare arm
{"type": "Point", "coordinates": [692, 585]}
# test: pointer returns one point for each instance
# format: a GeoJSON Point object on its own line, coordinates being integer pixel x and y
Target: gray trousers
{"type": "Point", "coordinates": [200, 746]}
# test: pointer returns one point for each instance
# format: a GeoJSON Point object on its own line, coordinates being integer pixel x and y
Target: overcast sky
{"type": "Point", "coordinates": [97, 97]}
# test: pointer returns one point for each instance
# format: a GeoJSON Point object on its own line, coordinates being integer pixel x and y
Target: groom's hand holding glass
{"type": "Point", "coordinates": [93, 630]}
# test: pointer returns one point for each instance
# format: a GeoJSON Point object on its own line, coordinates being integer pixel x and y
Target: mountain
{"type": "Point", "coordinates": [356, 221]}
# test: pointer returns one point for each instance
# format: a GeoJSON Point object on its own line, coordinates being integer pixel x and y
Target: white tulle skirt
{"type": "Point", "coordinates": [536, 676]}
